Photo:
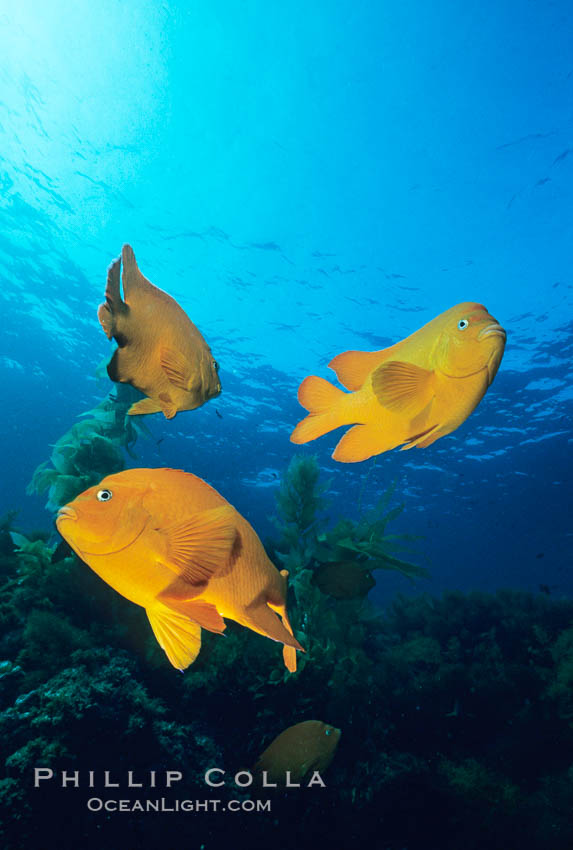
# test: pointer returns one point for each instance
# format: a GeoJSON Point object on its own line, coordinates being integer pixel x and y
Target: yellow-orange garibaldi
{"type": "Point", "coordinates": [168, 541]}
{"type": "Point", "coordinates": [160, 351]}
{"type": "Point", "coordinates": [410, 394]}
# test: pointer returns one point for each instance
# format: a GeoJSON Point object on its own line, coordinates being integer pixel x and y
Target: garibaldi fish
{"type": "Point", "coordinates": [300, 750]}
{"type": "Point", "coordinates": [160, 351]}
{"type": "Point", "coordinates": [409, 394]}
{"type": "Point", "coordinates": [166, 540]}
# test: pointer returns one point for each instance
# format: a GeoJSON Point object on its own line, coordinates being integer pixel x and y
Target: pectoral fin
{"type": "Point", "coordinates": [178, 637]}
{"type": "Point", "coordinates": [177, 369]}
{"type": "Point", "coordinates": [403, 387]}
{"type": "Point", "coordinates": [201, 546]}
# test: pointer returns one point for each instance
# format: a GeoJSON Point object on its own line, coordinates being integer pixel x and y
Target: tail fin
{"type": "Point", "coordinates": [322, 400]}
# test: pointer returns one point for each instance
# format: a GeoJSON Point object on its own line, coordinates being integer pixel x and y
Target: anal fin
{"type": "Point", "coordinates": [203, 613]}
{"type": "Point", "coordinates": [178, 637]}
{"type": "Point", "coordinates": [362, 442]}
{"type": "Point", "coordinates": [146, 405]}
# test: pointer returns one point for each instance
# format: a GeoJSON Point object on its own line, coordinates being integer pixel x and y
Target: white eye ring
{"type": "Point", "coordinates": [104, 495]}
{"type": "Point", "coordinates": [462, 324]}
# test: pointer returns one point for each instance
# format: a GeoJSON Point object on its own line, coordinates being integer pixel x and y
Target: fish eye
{"type": "Point", "coordinates": [104, 495]}
{"type": "Point", "coordinates": [215, 366]}
{"type": "Point", "coordinates": [462, 324]}
{"type": "Point", "coordinates": [328, 730]}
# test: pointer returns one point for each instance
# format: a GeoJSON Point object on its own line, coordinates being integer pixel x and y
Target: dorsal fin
{"type": "Point", "coordinates": [131, 278]}
{"type": "Point", "coordinates": [353, 367]}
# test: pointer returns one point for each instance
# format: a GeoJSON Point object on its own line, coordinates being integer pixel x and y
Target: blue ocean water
{"type": "Point", "coordinates": [304, 179]}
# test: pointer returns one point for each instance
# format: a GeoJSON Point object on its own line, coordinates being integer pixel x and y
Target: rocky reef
{"type": "Point", "coordinates": [456, 712]}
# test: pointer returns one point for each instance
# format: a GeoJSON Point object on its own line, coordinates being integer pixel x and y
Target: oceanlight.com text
{"type": "Point", "coordinates": [97, 804]}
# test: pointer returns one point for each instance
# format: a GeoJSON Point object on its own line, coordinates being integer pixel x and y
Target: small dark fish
{"type": "Point", "coordinates": [62, 551]}
{"type": "Point", "coordinates": [343, 580]}
{"type": "Point", "coordinates": [456, 710]}
{"type": "Point", "coordinates": [301, 749]}
{"type": "Point", "coordinates": [220, 415]}
{"type": "Point", "coordinates": [562, 156]}
{"type": "Point", "coordinates": [544, 588]}
{"type": "Point", "coordinates": [540, 555]}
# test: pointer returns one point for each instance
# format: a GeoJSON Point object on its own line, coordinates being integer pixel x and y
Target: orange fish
{"type": "Point", "coordinates": [300, 750]}
{"type": "Point", "coordinates": [413, 393]}
{"type": "Point", "coordinates": [167, 541]}
{"type": "Point", "coordinates": [160, 351]}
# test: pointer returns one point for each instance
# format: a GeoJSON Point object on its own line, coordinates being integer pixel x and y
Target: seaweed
{"type": "Point", "coordinates": [300, 499]}
{"type": "Point", "coordinates": [306, 541]}
{"type": "Point", "coordinates": [455, 710]}
{"type": "Point", "coordinates": [90, 450]}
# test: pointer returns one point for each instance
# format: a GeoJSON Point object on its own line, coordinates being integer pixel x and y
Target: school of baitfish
{"type": "Point", "coordinates": [168, 541]}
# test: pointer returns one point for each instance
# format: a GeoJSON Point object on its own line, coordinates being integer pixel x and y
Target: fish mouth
{"type": "Point", "coordinates": [492, 330]}
{"type": "Point", "coordinates": [66, 513]}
